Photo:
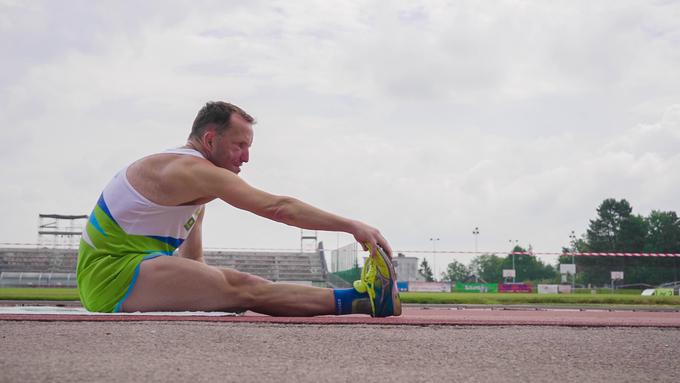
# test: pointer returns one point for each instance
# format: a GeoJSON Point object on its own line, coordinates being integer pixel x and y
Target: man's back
{"type": "Point", "coordinates": [156, 177]}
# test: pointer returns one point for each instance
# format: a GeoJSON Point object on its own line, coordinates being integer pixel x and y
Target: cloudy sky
{"type": "Point", "coordinates": [423, 118]}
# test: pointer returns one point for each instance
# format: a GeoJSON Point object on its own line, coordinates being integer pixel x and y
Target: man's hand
{"type": "Point", "coordinates": [365, 234]}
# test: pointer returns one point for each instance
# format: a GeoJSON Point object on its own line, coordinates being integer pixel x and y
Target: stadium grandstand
{"type": "Point", "coordinates": [52, 263]}
{"type": "Point", "coordinates": [48, 267]}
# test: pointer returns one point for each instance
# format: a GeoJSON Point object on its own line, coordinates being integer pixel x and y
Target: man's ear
{"type": "Point", "coordinates": [209, 138]}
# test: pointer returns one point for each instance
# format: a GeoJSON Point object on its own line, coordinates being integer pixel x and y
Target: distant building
{"type": "Point", "coordinates": [406, 268]}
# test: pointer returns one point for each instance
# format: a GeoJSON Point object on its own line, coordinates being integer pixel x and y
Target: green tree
{"type": "Point", "coordinates": [663, 236]}
{"type": "Point", "coordinates": [616, 229]}
{"type": "Point", "coordinates": [488, 267]}
{"type": "Point", "coordinates": [663, 232]}
{"type": "Point", "coordinates": [528, 267]}
{"type": "Point", "coordinates": [456, 271]}
{"type": "Point", "coordinates": [426, 271]}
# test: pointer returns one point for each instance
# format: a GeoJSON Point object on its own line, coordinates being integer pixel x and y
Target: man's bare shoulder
{"type": "Point", "coordinates": [164, 164]}
{"type": "Point", "coordinates": [170, 179]}
{"type": "Point", "coordinates": [179, 162]}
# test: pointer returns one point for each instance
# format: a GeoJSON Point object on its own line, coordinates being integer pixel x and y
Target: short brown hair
{"type": "Point", "coordinates": [218, 113]}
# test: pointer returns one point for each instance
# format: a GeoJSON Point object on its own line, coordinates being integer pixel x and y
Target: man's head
{"type": "Point", "coordinates": [216, 115]}
{"type": "Point", "coordinates": [223, 133]}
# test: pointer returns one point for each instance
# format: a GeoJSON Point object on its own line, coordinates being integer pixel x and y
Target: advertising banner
{"type": "Point", "coordinates": [437, 287]}
{"type": "Point", "coordinates": [564, 289]}
{"type": "Point", "coordinates": [514, 288]}
{"type": "Point", "coordinates": [476, 287]}
{"type": "Point", "coordinates": [663, 292]}
{"type": "Point", "coordinates": [402, 286]}
{"type": "Point", "coordinates": [547, 289]}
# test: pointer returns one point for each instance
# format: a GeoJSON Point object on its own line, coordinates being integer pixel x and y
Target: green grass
{"type": "Point", "coordinates": [557, 299]}
{"type": "Point", "coordinates": [608, 291]}
{"type": "Point", "coordinates": [39, 294]}
{"type": "Point", "coordinates": [63, 294]}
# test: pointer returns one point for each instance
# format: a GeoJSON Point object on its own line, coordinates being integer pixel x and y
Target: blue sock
{"type": "Point", "coordinates": [345, 301]}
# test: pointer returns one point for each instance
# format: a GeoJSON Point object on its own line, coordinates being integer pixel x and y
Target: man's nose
{"type": "Point", "coordinates": [245, 155]}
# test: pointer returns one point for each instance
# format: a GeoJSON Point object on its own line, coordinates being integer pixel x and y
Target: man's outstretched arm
{"type": "Point", "coordinates": [212, 181]}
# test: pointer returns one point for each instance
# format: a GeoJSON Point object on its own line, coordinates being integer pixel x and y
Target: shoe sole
{"type": "Point", "coordinates": [396, 302]}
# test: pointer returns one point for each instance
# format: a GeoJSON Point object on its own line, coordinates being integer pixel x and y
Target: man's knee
{"type": "Point", "coordinates": [238, 279]}
{"type": "Point", "coordinates": [242, 288]}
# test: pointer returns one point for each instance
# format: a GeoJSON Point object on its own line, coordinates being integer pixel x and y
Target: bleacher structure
{"type": "Point", "coordinates": [306, 268]}
{"type": "Point", "coordinates": [26, 267]}
{"type": "Point", "coordinates": [52, 263]}
{"type": "Point", "coordinates": [45, 267]}
{"type": "Point", "coordinates": [59, 230]}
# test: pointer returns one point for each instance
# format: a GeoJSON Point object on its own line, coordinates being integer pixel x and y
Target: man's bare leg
{"type": "Point", "coordinates": [178, 284]}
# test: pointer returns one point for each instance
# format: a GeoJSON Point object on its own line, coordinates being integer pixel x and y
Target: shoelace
{"type": "Point", "coordinates": [367, 282]}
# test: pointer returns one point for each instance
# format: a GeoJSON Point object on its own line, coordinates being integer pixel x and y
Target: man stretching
{"type": "Point", "coordinates": [142, 249]}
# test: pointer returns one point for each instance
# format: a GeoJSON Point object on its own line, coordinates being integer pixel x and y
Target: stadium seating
{"type": "Point", "coordinates": [38, 260]}
{"type": "Point", "coordinates": [272, 266]}
{"type": "Point", "coordinates": [56, 267]}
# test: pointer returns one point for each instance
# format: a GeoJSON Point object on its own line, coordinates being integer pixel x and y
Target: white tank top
{"type": "Point", "coordinates": [137, 215]}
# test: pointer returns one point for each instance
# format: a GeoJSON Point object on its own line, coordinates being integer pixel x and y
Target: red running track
{"type": "Point", "coordinates": [414, 316]}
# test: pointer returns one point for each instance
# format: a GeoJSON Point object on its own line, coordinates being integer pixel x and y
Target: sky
{"type": "Point", "coordinates": [425, 119]}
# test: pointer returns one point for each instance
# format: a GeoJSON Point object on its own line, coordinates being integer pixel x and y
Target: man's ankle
{"type": "Point", "coordinates": [350, 301]}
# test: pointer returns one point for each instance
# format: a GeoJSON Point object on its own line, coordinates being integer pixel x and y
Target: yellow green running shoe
{"type": "Point", "coordinates": [379, 280]}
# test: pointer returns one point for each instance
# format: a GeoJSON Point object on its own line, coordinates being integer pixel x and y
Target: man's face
{"type": "Point", "coordinates": [231, 149]}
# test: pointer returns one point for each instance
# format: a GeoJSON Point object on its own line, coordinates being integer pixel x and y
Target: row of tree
{"type": "Point", "coordinates": [615, 229]}
{"type": "Point", "coordinates": [489, 268]}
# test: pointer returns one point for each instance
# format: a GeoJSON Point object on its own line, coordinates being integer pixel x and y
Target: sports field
{"type": "Point", "coordinates": [510, 298]}
{"type": "Point", "coordinates": [430, 342]}
{"type": "Point", "coordinates": [38, 294]}
{"type": "Point", "coordinates": [602, 298]}
{"type": "Point", "coordinates": [424, 345]}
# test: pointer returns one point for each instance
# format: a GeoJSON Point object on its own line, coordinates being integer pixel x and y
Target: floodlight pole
{"type": "Point", "coordinates": [572, 237]}
{"type": "Point", "coordinates": [434, 250]}
{"type": "Point", "coordinates": [475, 232]}
{"type": "Point", "coordinates": [513, 258]}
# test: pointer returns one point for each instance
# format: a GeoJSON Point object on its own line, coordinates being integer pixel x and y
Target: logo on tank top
{"type": "Point", "coordinates": [192, 220]}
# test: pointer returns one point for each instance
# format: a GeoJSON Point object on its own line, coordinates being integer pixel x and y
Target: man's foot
{"type": "Point", "coordinates": [379, 280]}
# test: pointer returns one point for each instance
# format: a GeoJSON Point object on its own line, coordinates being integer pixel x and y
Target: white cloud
{"type": "Point", "coordinates": [422, 118]}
